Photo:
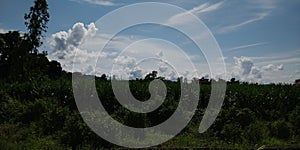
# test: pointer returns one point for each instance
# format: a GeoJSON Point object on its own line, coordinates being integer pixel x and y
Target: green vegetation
{"type": "Point", "coordinates": [42, 113]}
{"type": "Point", "coordinates": [38, 110]}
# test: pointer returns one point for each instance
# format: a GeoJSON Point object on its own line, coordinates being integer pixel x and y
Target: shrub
{"type": "Point", "coordinates": [280, 129]}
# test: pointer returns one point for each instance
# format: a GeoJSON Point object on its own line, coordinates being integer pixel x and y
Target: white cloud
{"type": "Point", "coordinates": [206, 7]}
{"type": "Point", "coordinates": [280, 67]}
{"type": "Point", "coordinates": [247, 46]}
{"type": "Point", "coordinates": [257, 74]}
{"type": "Point", "coordinates": [233, 27]}
{"type": "Point", "coordinates": [244, 64]}
{"type": "Point", "coordinates": [83, 58]}
{"type": "Point", "coordinates": [84, 43]}
{"type": "Point", "coordinates": [271, 67]}
{"type": "Point", "coordinates": [65, 46]}
{"type": "Point", "coordinates": [245, 70]}
{"type": "Point", "coordinates": [286, 57]}
{"type": "Point", "coordinates": [136, 73]}
{"type": "Point", "coordinates": [76, 34]}
{"type": "Point", "coordinates": [184, 18]}
{"type": "Point", "coordinates": [131, 56]}
{"type": "Point", "coordinates": [281, 60]}
{"type": "Point", "coordinates": [238, 14]}
{"type": "Point", "coordinates": [125, 61]}
{"type": "Point", "coordinates": [98, 2]}
{"type": "Point", "coordinates": [63, 42]}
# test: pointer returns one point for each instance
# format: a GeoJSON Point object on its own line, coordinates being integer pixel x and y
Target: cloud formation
{"type": "Point", "coordinates": [244, 64]}
{"type": "Point", "coordinates": [64, 42]}
{"type": "Point", "coordinates": [247, 46]}
{"type": "Point", "coordinates": [257, 10]}
{"type": "Point", "coordinates": [272, 67]}
{"type": "Point", "coordinates": [245, 69]}
{"type": "Point", "coordinates": [184, 18]}
{"type": "Point", "coordinates": [98, 2]}
{"type": "Point", "coordinates": [125, 61]}
{"type": "Point", "coordinates": [130, 65]}
{"type": "Point", "coordinates": [233, 27]}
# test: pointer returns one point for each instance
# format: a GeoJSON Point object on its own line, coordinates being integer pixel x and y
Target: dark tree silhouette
{"type": "Point", "coordinates": [151, 75]}
{"type": "Point", "coordinates": [19, 57]}
{"type": "Point", "coordinates": [36, 22]}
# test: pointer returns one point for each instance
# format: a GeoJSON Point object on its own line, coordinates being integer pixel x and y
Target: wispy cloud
{"type": "Point", "coordinates": [265, 4]}
{"type": "Point", "coordinates": [206, 7]}
{"type": "Point", "coordinates": [183, 18]}
{"type": "Point", "coordinates": [245, 13]}
{"type": "Point", "coordinates": [282, 60]}
{"type": "Point", "coordinates": [247, 46]}
{"type": "Point", "coordinates": [258, 16]}
{"type": "Point", "coordinates": [98, 2]}
{"type": "Point", "coordinates": [282, 57]}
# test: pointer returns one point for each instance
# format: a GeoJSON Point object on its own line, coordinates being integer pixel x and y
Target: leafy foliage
{"type": "Point", "coordinates": [36, 22]}
{"type": "Point", "coordinates": [45, 111]}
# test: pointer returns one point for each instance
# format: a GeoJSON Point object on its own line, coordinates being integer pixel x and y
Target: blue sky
{"type": "Point", "coordinates": [260, 39]}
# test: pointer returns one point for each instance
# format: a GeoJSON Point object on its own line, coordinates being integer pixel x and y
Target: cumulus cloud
{"type": "Point", "coordinates": [167, 71]}
{"type": "Point", "coordinates": [63, 41]}
{"type": "Point", "coordinates": [245, 64]}
{"type": "Point", "coordinates": [256, 73]}
{"type": "Point", "coordinates": [271, 67]}
{"type": "Point", "coordinates": [136, 73]}
{"type": "Point", "coordinates": [125, 61]}
{"type": "Point", "coordinates": [245, 69]}
{"type": "Point", "coordinates": [125, 68]}
{"type": "Point", "coordinates": [66, 44]}
{"type": "Point", "coordinates": [84, 40]}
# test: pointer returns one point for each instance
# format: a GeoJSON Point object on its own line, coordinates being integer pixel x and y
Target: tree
{"type": "Point", "coordinates": [54, 69]}
{"type": "Point", "coordinates": [36, 22]}
{"type": "Point", "coordinates": [151, 75]}
{"type": "Point", "coordinates": [13, 53]}
{"type": "Point", "coordinates": [103, 77]}
{"type": "Point", "coordinates": [19, 57]}
{"type": "Point", "coordinates": [233, 80]}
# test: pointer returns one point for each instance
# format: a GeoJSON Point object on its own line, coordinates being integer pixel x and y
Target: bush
{"type": "Point", "coordinates": [280, 129]}
{"type": "Point", "coordinates": [294, 119]}
{"type": "Point", "coordinates": [232, 132]}
{"type": "Point", "coordinates": [256, 132]}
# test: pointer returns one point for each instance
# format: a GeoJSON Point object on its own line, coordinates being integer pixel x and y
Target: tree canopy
{"type": "Point", "coordinates": [36, 23]}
